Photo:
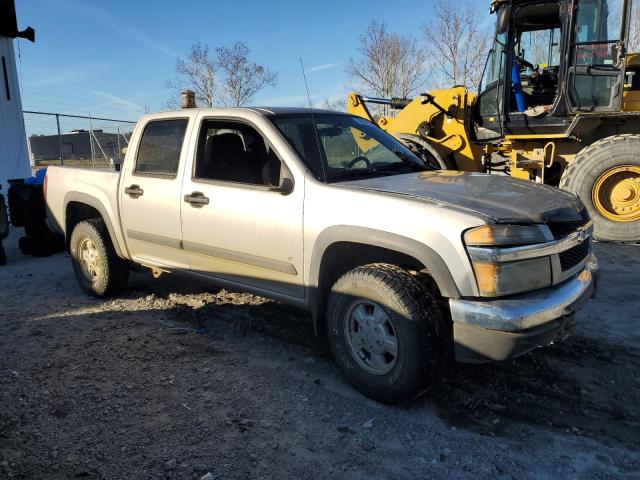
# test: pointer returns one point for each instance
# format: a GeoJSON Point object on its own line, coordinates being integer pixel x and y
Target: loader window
{"type": "Point", "coordinates": [534, 73]}
{"type": "Point", "coordinates": [597, 29]}
{"type": "Point", "coordinates": [490, 98]}
{"type": "Point", "coordinates": [595, 77]}
{"type": "Point", "coordinates": [489, 105]}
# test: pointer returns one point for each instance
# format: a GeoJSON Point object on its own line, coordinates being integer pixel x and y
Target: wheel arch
{"type": "Point", "coordinates": [79, 207]}
{"type": "Point", "coordinates": [339, 249]}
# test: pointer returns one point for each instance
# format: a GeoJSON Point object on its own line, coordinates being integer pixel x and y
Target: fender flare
{"type": "Point", "coordinates": [343, 233]}
{"type": "Point", "coordinates": [94, 203]}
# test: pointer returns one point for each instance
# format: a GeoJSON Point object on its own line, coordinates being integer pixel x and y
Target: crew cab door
{"type": "Point", "coordinates": [150, 193]}
{"type": "Point", "coordinates": [595, 74]}
{"type": "Point", "coordinates": [236, 227]}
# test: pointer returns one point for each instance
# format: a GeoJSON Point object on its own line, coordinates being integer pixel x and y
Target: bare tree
{"type": "Point", "coordinates": [457, 44]}
{"type": "Point", "coordinates": [241, 79]}
{"type": "Point", "coordinates": [333, 104]}
{"type": "Point", "coordinates": [196, 71]}
{"type": "Point", "coordinates": [633, 43]}
{"type": "Point", "coordinates": [389, 65]}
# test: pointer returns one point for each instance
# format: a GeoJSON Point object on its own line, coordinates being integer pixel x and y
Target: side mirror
{"type": "Point", "coordinates": [285, 187]}
{"type": "Point", "coordinates": [504, 14]}
{"type": "Point", "coordinates": [285, 178]}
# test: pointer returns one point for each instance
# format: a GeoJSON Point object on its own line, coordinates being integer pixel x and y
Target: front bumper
{"type": "Point", "coordinates": [497, 329]}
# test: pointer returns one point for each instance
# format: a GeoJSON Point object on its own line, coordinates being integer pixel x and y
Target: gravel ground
{"type": "Point", "coordinates": [172, 381]}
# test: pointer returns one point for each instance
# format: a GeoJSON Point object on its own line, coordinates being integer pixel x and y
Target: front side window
{"type": "Point", "coordinates": [235, 152]}
{"type": "Point", "coordinates": [160, 147]}
{"type": "Point", "coordinates": [338, 146]}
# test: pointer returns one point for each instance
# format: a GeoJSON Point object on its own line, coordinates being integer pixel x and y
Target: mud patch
{"type": "Point", "coordinates": [580, 387]}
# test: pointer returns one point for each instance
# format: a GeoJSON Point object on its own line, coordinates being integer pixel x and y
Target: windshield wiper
{"type": "Point", "coordinates": [406, 164]}
{"type": "Point", "coordinates": [348, 173]}
{"type": "Point", "coordinates": [407, 161]}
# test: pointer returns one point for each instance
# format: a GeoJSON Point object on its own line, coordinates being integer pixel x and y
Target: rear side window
{"type": "Point", "coordinates": [160, 147]}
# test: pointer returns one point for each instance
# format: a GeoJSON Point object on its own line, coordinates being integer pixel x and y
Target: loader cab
{"type": "Point", "coordinates": [549, 61]}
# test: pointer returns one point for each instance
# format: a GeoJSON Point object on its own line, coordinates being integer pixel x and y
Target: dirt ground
{"type": "Point", "coordinates": [169, 381]}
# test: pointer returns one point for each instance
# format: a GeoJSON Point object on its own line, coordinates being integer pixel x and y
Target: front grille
{"type": "Point", "coordinates": [562, 229]}
{"type": "Point", "coordinates": [572, 257]}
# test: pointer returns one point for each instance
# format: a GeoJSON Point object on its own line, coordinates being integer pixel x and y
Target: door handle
{"type": "Point", "coordinates": [196, 198]}
{"type": "Point", "coordinates": [134, 191]}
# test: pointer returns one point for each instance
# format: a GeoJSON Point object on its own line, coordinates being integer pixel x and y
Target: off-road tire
{"type": "Point", "coordinates": [580, 176]}
{"type": "Point", "coordinates": [3, 256]}
{"type": "Point", "coordinates": [422, 334]}
{"type": "Point", "coordinates": [426, 152]}
{"type": "Point", "coordinates": [114, 273]}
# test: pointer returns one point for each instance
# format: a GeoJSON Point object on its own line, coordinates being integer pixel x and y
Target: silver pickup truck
{"type": "Point", "coordinates": [401, 267]}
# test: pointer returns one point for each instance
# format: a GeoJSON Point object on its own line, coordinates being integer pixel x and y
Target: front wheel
{"type": "Point", "coordinates": [98, 269]}
{"type": "Point", "coordinates": [386, 332]}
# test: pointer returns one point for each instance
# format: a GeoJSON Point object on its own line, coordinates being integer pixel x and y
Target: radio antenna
{"type": "Point", "coordinates": [313, 121]}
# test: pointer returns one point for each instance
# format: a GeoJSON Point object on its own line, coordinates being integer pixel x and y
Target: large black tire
{"type": "Point", "coordinates": [426, 152]}
{"type": "Point", "coordinates": [422, 335]}
{"type": "Point", "coordinates": [3, 255]}
{"type": "Point", "coordinates": [581, 175]}
{"type": "Point", "coordinates": [111, 272]}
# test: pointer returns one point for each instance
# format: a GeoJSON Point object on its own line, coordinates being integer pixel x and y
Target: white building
{"type": "Point", "coordinates": [14, 157]}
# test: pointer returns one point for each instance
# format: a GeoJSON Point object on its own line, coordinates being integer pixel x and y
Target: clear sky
{"type": "Point", "coordinates": [112, 57]}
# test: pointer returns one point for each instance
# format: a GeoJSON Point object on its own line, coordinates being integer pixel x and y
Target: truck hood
{"type": "Point", "coordinates": [500, 198]}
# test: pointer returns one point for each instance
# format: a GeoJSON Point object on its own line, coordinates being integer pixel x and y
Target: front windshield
{"type": "Point", "coordinates": [345, 146]}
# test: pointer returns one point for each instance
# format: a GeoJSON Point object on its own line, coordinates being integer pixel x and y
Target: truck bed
{"type": "Point", "coordinates": [65, 184]}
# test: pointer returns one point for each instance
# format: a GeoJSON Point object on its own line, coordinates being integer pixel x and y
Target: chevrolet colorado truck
{"type": "Point", "coordinates": [402, 268]}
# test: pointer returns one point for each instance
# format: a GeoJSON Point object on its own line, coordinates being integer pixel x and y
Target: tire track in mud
{"type": "Point", "coordinates": [584, 386]}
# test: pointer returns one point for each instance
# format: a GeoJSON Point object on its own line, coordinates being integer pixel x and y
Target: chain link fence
{"type": "Point", "coordinates": [74, 140]}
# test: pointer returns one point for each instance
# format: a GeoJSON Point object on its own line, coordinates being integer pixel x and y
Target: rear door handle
{"type": "Point", "coordinates": [134, 191]}
{"type": "Point", "coordinates": [196, 198]}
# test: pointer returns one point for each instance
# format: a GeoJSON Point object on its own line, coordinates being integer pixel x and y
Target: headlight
{"type": "Point", "coordinates": [512, 277]}
{"type": "Point", "coordinates": [505, 278]}
{"type": "Point", "coordinates": [502, 235]}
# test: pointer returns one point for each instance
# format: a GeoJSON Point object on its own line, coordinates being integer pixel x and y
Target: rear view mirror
{"type": "Point", "coordinates": [504, 15]}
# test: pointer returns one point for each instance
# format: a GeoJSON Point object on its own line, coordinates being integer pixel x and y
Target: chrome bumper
{"type": "Point", "coordinates": [497, 329]}
{"type": "Point", "coordinates": [528, 310]}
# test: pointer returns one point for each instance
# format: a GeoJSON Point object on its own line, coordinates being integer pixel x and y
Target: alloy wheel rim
{"type": "Point", "coordinates": [371, 337]}
{"type": "Point", "coordinates": [89, 259]}
{"type": "Point", "coordinates": [616, 193]}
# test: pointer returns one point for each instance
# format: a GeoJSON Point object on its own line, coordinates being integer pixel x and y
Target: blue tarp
{"type": "Point", "coordinates": [38, 178]}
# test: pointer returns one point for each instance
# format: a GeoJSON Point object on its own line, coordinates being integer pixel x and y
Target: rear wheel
{"type": "Point", "coordinates": [606, 177]}
{"type": "Point", "coordinates": [386, 332]}
{"type": "Point", "coordinates": [99, 270]}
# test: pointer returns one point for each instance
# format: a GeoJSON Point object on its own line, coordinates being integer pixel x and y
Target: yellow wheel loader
{"type": "Point", "coordinates": [559, 104]}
